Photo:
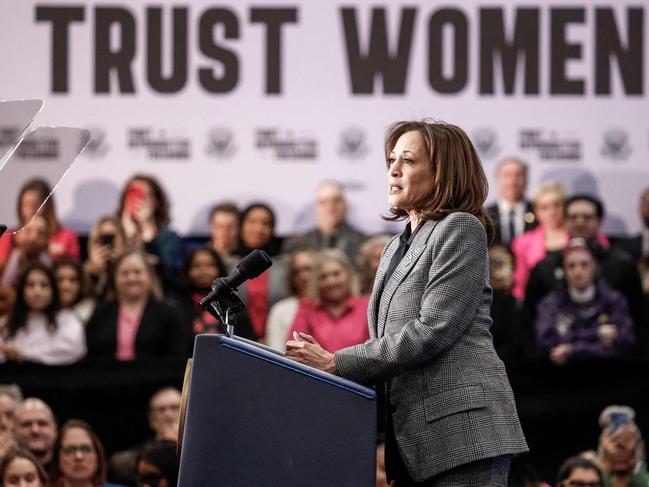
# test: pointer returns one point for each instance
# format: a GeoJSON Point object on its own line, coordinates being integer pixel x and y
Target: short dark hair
{"type": "Point", "coordinates": [577, 462]}
{"type": "Point", "coordinates": [599, 206]}
{"type": "Point", "coordinates": [162, 455]}
{"type": "Point", "coordinates": [226, 207]}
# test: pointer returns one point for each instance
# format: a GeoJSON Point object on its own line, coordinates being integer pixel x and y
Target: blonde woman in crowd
{"type": "Point", "coordinates": [333, 313]}
{"type": "Point", "coordinates": [550, 234]}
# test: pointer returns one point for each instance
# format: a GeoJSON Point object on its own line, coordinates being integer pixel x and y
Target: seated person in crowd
{"type": "Point", "coordinates": [144, 213]}
{"type": "Point", "coordinates": [62, 242]}
{"type": "Point", "coordinates": [80, 459]}
{"type": "Point", "coordinates": [282, 313]}
{"type": "Point", "coordinates": [7, 299]}
{"type": "Point", "coordinates": [106, 242]}
{"type": "Point", "coordinates": [37, 329]}
{"type": "Point", "coordinates": [512, 214]}
{"type": "Point", "coordinates": [586, 318]}
{"type": "Point", "coordinates": [584, 216]}
{"type": "Point", "coordinates": [368, 260]}
{"type": "Point", "coordinates": [258, 232]}
{"type": "Point", "coordinates": [163, 415]}
{"type": "Point", "coordinates": [638, 246]}
{"type": "Point", "coordinates": [332, 230]}
{"type": "Point", "coordinates": [10, 397]}
{"type": "Point", "coordinates": [333, 313]}
{"type": "Point", "coordinates": [158, 465]}
{"type": "Point", "coordinates": [549, 235]}
{"type": "Point", "coordinates": [202, 267]}
{"type": "Point", "coordinates": [72, 288]}
{"type": "Point", "coordinates": [134, 322]}
{"type": "Point", "coordinates": [19, 468]}
{"type": "Point", "coordinates": [506, 330]}
{"type": "Point", "coordinates": [579, 472]}
{"type": "Point", "coordinates": [36, 431]}
{"type": "Point", "coordinates": [621, 448]}
{"type": "Point", "coordinates": [224, 233]}
{"type": "Point", "coordinates": [30, 245]}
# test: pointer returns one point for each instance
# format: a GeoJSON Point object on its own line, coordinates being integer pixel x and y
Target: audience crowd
{"type": "Point", "coordinates": [562, 292]}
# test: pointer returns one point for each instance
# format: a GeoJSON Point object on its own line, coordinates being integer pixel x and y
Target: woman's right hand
{"type": "Point", "coordinates": [98, 258]}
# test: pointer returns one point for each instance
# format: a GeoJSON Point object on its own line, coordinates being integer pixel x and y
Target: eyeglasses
{"type": "Point", "coordinates": [149, 479]}
{"type": "Point", "coordinates": [73, 449]}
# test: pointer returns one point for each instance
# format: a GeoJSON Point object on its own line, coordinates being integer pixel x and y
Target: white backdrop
{"type": "Point", "coordinates": [250, 144]}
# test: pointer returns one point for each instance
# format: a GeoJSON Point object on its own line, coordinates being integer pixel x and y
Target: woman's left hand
{"type": "Point", "coordinates": [305, 350]}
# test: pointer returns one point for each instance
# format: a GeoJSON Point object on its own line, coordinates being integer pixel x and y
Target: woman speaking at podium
{"type": "Point", "coordinates": [450, 412]}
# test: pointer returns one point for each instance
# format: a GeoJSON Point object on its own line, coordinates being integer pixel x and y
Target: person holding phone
{"type": "Point", "coordinates": [144, 214]}
{"type": "Point", "coordinates": [106, 243]}
{"type": "Point", "coordinates": [621, 448]}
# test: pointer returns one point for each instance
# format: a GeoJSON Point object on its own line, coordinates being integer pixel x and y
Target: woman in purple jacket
{"type": "Point", "coordinates": [586, 318]}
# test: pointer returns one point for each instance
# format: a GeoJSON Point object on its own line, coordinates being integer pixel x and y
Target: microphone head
{"type": "Point", "coordinates": [253, 264]}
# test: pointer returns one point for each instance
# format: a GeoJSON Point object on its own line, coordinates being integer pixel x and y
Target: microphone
{"type": "Point", "coordinates": [251, 266]}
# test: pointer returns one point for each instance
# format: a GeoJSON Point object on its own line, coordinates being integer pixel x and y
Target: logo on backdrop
{"type": "Point", "coordinates": [353, 143]}
{"type": "Point", "coordinates": [8, 135]}
{"type": "Point", "coordinates": [285, 145]}
{"type": "Point", "coordinates": [158, 145]}
{"type": "Point", "coordinates": [486, 142]}
{"type": "Point", "coordinates": [220, 143]}
{"type": "Point", "coordinates": [38, 147]}
{"type": "Point", "coordinates": [97, 147]}
{"type": "Point", "coordinates": [615, 144]}
{"type": "Point", "coordinates": [551, 146]}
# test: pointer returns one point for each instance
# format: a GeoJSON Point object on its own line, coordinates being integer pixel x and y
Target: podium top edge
{"type": "Point", "coordinates": [278, 359]}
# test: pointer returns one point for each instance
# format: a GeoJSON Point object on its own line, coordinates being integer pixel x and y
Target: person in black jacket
{"type": "Point", "coordinates": [202, 266]}
{"type": "Point", "coordinates": [512, 214]}
{"type": "Point", "coordinates": [134, 323]}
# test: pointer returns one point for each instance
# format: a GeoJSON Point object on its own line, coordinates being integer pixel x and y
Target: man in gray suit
{"type": "Point", "coordinates": [450, 412]}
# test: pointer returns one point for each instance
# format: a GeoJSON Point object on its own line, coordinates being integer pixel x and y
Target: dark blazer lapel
{"type": "Point", "coordinates": [373, 306]}
{"type": "Point", "coordinates": [407, 263]}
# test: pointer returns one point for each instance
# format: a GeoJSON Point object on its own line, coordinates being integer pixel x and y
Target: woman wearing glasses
{"type": "Point", "coordinates": [80, 457]}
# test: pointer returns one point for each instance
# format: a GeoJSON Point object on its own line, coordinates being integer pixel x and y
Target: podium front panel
{"type": "Point", "coordinates": [256, 419]}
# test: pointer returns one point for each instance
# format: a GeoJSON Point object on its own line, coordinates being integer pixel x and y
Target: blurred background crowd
{"type": "Point", "coordinates": [128, 292]}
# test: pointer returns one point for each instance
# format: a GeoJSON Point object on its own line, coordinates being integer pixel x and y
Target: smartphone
{"type": "Point", "coordinates": [106, 239]}
{"type": "Point", "coordinates": [618, 420]}
{"type": "Point", "coordinates": [134, 197]}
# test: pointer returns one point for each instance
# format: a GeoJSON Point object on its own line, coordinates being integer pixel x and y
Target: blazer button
{"type": "Point", "coordinates": [393, 408]}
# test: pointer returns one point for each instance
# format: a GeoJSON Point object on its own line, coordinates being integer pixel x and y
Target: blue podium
{"type": "Point", "coordinates": [254, 418]}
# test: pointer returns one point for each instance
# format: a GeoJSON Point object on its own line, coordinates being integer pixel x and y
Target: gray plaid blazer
{"type": "Point", "coordinates": [429, 338]}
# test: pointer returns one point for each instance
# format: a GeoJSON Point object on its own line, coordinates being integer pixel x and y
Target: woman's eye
{"type": "Point", "coordinates": [408, 161]}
